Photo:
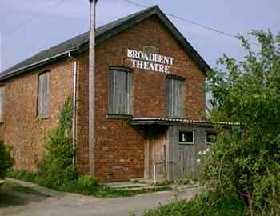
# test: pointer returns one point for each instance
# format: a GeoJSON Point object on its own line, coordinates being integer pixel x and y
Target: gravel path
{"type": "Point", "coordinates": [52, 203]}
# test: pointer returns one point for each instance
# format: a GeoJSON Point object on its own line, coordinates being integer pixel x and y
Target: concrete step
{"type": "Point", "coordinates": [136, 186]}
{"type": "Point", "coordinates": [118, 185]}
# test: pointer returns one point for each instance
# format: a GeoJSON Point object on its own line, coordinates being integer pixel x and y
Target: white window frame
{"type": "Point", "coordinates": [186, 131]}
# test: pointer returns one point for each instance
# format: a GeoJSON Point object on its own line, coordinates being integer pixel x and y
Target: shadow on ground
{"type": "Point", "coordinates": [12, 194]}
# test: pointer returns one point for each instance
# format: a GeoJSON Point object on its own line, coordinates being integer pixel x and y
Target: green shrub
{"type": "Point", "coordinates": [23, 175]}
{"type": "Point", "coordinates": [206, 204]}
{"type": "Point", "coordinates": [245, 160]}
{"type": "Point", "coordinates": [57, 167]}
{"type": "Point", "coordinates": [85, 185]}
{"type": "Point", "coordinates": [5, 160]}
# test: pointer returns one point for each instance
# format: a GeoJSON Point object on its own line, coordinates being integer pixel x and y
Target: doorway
{"type": "Point", "coordinates": [156, 154]}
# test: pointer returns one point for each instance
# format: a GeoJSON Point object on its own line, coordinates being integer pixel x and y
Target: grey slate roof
{"type": "Point", "coordinates": [81, 42]}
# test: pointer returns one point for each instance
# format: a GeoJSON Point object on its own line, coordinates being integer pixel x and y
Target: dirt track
{"type": "Point", "coordinates": [39, 201]}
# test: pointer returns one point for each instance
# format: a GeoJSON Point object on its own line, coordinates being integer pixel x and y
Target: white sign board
{"type": "Point", "coordinates": [150, 61]}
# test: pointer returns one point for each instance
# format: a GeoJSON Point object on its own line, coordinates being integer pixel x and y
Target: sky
{"type": "Point", "coordinates": [29, 26]}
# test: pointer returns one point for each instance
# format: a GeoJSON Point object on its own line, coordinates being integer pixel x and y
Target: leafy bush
{"type": "Point", "coordinates": [57, 167]}
{"type": "Point", "coordinates": [207, 204]}
{"type": "Point", "coordinates": [23, 175]}
{"type": "Point", "coordinates": [5, 160]}
{"type": "Point", "coordinates": [246, 158]}
{"type": "Point", "coordinates": [84, 184]}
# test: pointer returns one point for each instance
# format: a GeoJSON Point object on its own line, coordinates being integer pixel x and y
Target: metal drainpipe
{"type": "Point", "coordinates": [74, 119]}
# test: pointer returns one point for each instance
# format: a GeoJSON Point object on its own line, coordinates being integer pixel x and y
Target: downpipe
{"type": "Point", "coordinates": [74, 119]}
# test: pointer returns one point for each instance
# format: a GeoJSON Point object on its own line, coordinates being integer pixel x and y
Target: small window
{"type": "Point", "coordinates": [2, 95]}
{"type": "Point", "coordinates": [43, 95]}
{"type": "Point", "coordinates": [175, 97]}
{"type": "Point", "coordinates": [186, 137]}
{"type": "Point", "coordinates": [211, 137]}
{"type": "Point", "coordinates": [120, 91]}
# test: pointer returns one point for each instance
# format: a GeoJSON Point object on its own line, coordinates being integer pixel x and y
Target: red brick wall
{"type": "Point", "coordinates": [82, 148]}
{"type": "Point", "coordinates": [22, 129]}
{"type": "Point", "coordinates": [119, 153]}
{"type": "Point", "coordinates": [119, 148]}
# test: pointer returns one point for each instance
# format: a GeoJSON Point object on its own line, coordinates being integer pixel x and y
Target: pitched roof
{"type": "Point", "coordinates": [81, 42]}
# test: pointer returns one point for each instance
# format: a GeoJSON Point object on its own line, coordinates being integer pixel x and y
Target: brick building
{"type": "Point", "coordinates": [149, 100]}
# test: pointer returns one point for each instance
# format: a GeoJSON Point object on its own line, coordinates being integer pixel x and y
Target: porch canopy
{"type": "Point", "coordinates": [167, 122]}
{"type": "Point", "coordinates": [177, 121]}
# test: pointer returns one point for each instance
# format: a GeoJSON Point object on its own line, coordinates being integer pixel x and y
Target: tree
{"type": "Point", "coordinates": [57, 167]}
{"type": "Point", "coordinates": [5, 160]}
{"type": "Point", "coordinates": [246, 158]}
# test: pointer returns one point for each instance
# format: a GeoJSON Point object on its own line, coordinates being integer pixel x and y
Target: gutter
{"type": "Point", "coordinates": [36, 64]}
{"type": "Point", "coordinates": [74, 118]}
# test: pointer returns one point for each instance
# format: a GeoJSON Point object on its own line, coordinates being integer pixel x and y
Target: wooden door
{"type": "Point", "coordinates": [155, 156]}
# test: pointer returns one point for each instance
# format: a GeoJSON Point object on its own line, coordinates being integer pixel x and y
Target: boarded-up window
{"type": "Point", "coordinates": [43, 95]}
{"type": "Point", "coordinates": [120, 91]}
{"type": "Point", "coordinates": [175, 97]}
{"type": "Point", "coordinates": [2, 95]}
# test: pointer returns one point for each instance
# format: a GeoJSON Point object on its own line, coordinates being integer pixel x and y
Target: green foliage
{"type": "Point", "coordinates": [57, 167]}
{"type": "Point", "coordinates": [83, 184]}
{"type": "Point", "coordinates": [5, 160]}
{"type": "Point", "coordinates": [207, 204]}
{"type": "Point", "coordinates": [23, 175]}
{"type": "Point", "coordinates": [246, 159]}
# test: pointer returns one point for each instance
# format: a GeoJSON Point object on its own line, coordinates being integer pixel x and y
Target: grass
{"type": "Point", "coordinates": [112, 192]}
{"type": "Point", "coordinates": [85, 185]}
{"type": "Point", "coordinates": [207, 204]}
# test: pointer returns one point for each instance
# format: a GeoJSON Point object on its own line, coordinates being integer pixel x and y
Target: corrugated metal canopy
{"type": "Point", "coordinates": [177, 121]}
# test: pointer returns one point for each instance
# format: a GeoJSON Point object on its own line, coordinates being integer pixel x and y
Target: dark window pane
{"type": "Point", "coordinates": [186, 137]}
{"type": "Point", "coordinates": [211, 137]}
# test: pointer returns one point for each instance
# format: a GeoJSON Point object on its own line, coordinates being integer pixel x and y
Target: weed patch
{"type": "Point", "coordinates": [207, 204]}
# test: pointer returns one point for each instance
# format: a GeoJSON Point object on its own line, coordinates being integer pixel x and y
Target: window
{"type": "Point", "coordinates": [120, 91]}
{"type": "Point", "coordinates": [211, 137]}
{"type": "Point", "coordinates": [186, 137]}
{"type": "Point", "coordinates": [43, 95]}
{"type": "Point", "coordinates": [175, 97]}
{"type": "Point", "coordinates": [2, 93]}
